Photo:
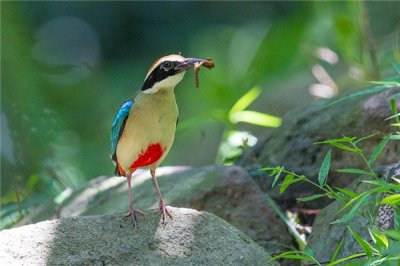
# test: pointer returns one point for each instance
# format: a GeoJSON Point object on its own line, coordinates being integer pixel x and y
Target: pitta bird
{"type": "Point", "coordinates": [144, 128]}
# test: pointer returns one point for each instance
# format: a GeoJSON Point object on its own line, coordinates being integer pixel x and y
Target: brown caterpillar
{"type": "Point", "coordinates": [208, 64]}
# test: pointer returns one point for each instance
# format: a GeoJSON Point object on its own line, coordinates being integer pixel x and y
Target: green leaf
{"type": "Point", "coordinates": [366, 137]}
{"type": "Point", "coordinates": [378, 150]}
{"type": "Point", "coordinates": [285, 183]}
{"type": "Point", "coordinates": [245, 100]}
{"type": "Point", "coordinates": [277, 176]}
{"type": "Point", "coordinates": [381, 240]}
{"type": "Point", "coordinates": [255, 118]}
{"type": "Point", "coordinates": [331, 141]}
{"type": "Point", "coordinates": [353, 211]}
{"type": "Point", "coordinates": [337, 250]}
{"type": "Point", "coordinates": [297, 255]}
{"type": "Point", "coordinates": [354, 171]}
{"type": "Point", "coordinates": [393, 105]}
{"type": "Point", "coordinates": [312, 197]}
{"type": "Point", "coordinates": [272, 169]}
{"type": "Point", "coordinates": [347, 148]}
{"type": "Point", "coordinates": [275, 170]}
{"type": "Point", "coordinates": [385, 186]}
{"type": "Point", "coordinates": [289, 179]}
{"type": "Point", "coordinates": [395, 234]}
{"type": "Point", "coordinates": [324, 169]}
{"type": "Point", "coordinates": [368, 249]}
{"type": "Point", "coordinates": [339, 261]}
{"type": "Point", "coordinates": [348, 192]}
{"type": "Point", "coordinates": [309, 252]}
{"type": "Point", "coordinates": [363, 92]}
{"type": "Point", "coordinates": [379, 189]}
{"type": "Point", "coordinates": [338, 143]}
{"type": "Point", "coordinates": [391, 200]}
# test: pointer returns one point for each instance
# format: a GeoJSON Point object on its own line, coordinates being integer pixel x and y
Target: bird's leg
{"type": "Point", "coordinates": [132, 211]}
{"type": "Point", "coordinates": [163, 208]}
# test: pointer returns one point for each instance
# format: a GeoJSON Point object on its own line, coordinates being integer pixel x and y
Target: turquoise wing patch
{"type": "Point", "coordinates": [119, 125]}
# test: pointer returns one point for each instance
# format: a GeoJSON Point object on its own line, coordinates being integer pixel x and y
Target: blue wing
{"type": "Point", "coordinates": [119, 125]}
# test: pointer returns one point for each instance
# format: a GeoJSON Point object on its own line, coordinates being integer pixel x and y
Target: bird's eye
{"type": "Point", "coordinates": [166, 65]}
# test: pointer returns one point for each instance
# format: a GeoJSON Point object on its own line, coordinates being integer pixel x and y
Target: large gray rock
{"type": "Point", "coordinates": [292, 145]}
{"type": "Point", "coordinates": [191, 238]}
{"type": "Point", "coordinates": [228, 192]}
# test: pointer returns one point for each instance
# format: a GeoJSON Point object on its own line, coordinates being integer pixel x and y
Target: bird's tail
{"type": "Point", "coordinates": [117, 172]}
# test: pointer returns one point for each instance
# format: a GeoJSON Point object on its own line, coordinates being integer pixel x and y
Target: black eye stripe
{"type": "Point", "coordinates": [160, 73]}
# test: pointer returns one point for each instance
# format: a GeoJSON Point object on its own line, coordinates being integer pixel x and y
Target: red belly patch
{"type": "Point", "coordinates": [152, 154]}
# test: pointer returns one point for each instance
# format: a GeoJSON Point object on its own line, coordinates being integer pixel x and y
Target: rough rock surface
{"type": "Point", "coordinates": [191, 238]}
{"type": "Point", "coordinates": [292, 145]}
{"type": "Point", "coordinates": [228, 192]}
{"type": "Point", "coordinates": [326, 236]}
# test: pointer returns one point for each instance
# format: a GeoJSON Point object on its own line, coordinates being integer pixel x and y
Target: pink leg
{"type": "Point", "coordinates": [163, 208]}
{"type": "Point", "coordinates": [132, 211]}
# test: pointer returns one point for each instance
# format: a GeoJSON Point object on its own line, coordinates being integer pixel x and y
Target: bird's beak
{"type": "Point", "coordinates": [189, 63]}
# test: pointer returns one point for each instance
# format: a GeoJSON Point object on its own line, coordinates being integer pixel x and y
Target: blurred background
{"type": "Point", "coordinates": [66, 67]}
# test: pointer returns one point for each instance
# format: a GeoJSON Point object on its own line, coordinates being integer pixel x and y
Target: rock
{"type": "Point", "coordinates": [191, 238]}
{"type": "Point", "coordinates": [292, 145]}
{"type": "Point", "coordinates": [326, 236]}
{"type": "Point", "coordinates": [228, 192]}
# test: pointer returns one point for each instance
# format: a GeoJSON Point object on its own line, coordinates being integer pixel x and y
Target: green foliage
{"type": "Point", "coordinates": [391, 200]}
{"type": "Point", "coordinates": [238, 113]}
{"type": "Point", "coordinates": [354, 204]}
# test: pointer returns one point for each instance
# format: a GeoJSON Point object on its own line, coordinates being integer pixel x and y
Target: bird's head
{"type": "Point", "coordinates": [167, 72]}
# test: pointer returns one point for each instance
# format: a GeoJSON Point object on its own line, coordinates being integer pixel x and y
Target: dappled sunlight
{"type": "Point", "coordinates": [326, 88]}
{"type": "Point", "coordinates": [327, 55]}
{"type": "Point", "coordinates": [321, 91]}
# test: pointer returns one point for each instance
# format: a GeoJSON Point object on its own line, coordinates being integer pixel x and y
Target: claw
{"type": "Point", "coordinates": [132, 213]}
{"type": "Point", "coordinates": [164, 211]}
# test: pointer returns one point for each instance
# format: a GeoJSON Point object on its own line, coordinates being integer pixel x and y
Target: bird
{"type": "Point", "coordinates": [143, 129]}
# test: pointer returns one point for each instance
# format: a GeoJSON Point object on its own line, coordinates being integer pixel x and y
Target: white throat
{"type": "Point", "coordinates": [168, 83]}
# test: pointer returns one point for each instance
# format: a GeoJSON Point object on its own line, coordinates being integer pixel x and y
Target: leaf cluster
{"type": "Point", "coordinates": [355, 204]}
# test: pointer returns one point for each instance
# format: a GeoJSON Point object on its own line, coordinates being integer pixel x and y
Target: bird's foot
{"type": "Point", "coordinates": [132, 213]}
{"type": "Point", "coordinates": [164, 211]}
